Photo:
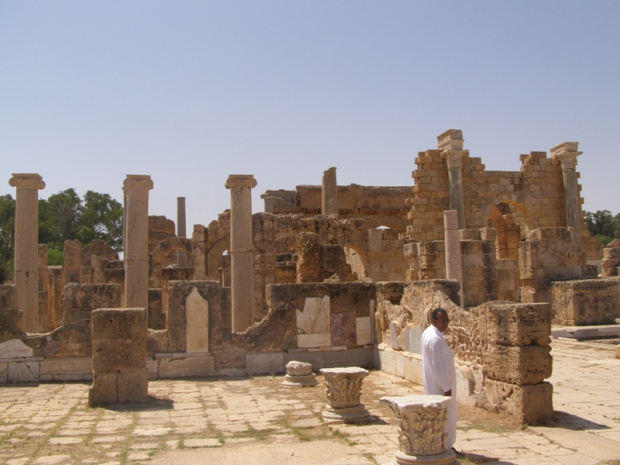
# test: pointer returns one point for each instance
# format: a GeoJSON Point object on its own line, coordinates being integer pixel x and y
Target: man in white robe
{"type": "Point", "coordinates": [438, 372]}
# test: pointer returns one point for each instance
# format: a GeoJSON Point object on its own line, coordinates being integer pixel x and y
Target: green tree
{"type": "Point", "coordinates": [101, 218]}
{"type": "Point", "coordinates": [63, 216]}
{"type": "Point", "coordinates": [7, 232]}
{"type": "Point", "coordinates": [603, 225]}
{"type": "Point", "coordinates": [59, 217]}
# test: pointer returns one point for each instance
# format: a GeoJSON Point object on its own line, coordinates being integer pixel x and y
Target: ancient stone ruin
{"type": "Point", "coordinates": [333, 276]}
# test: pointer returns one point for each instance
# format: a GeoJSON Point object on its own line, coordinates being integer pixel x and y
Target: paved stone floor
{"type": "Point", "coordinates": [234, 421]}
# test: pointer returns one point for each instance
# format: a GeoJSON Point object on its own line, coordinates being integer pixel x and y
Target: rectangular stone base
{"type": "Point", "coordinates": [530, 404]}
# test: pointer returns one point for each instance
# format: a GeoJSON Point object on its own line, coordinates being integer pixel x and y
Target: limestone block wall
{"type": "Point", "coordinates": [530, 198]}
{"type": "Point", "coordinates": [585, 302]}
{"type": "Point", "coordinates": [276, 236]}
{"type": "Point", "coordinates": [119, 356]}
{"type": "Point", "coordinates": [384, 260]}
{"type": "Point", "coordinates": [508, 280]}
{"type": "Point", "coordinates": [501, 349]}
{"type": "Point", "coordinates": [80, 300]}
{"type": "Point", "coordinates": [516, 360]}
{"type": "Point", "coordinates": [378, 205]}
{"type": "Point", "coordinates": [481, 277]}
{"type": "Point", "coordinates": [549, 254]}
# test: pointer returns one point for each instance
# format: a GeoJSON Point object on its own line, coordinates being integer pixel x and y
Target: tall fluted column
{"type": "Point", "coordinates": [454, 263]}
{"type": "Point", "coordinates": [27, 247]}
{"type": "Point", "coordinates": [567, 153]}
{"type": "Point", "coordinates": [241, 250]}
{"type": "Point", "coordinates": [181, 231]}
{"type": "Point", "coordinates": [450, 143]}
{"type": "Point", "coordinates": [136, 188]}
{"type": "Point", "coordinates": [329, 193]}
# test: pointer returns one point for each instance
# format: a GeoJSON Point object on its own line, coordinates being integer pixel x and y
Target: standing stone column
{"type": "Point", "coordinates": [329, 193]}
{"type": "Point", "coordinates": [136, 188]}
{"type": "Point", "coordinates": [567, 153]}
{"type": "Point", "coordinates": [27, 247]}
{"type": "Point", "coordinates": [241, 250]}
{"type": "Point", "coordinates": [454, 263]}
{"type": "Point", "coordinates": [450, 143]}
{"type": "Point", "coordinates": [181, 231]}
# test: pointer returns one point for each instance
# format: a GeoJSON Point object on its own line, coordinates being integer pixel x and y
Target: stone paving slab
{"type": "Point", "coordinates": [231, 421]}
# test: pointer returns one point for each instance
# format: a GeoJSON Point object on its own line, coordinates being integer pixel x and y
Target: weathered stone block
{"type": "Point", "coordinates": [79, 300]}
{"type": "Point", "coordinates": [24, 372]}
{"type": "Point", "coordinates": [120, 354]}
{"type": "Point", "coordinates": [585, 302]}
{"type": "Point", "coordinates": [116, 323]}
{"type": "Point", "coordinates": [133, 386]}
{"type": "Point", "coordinates": [104, 389]}
{"type": "Point", "coordinates": [531, 404]}
{"type": "Point", "coordinates": [518, 365]}
{"type": "Point", "coordinates": [518, 324]}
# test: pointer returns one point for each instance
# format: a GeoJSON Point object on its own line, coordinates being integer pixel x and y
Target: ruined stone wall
{"type": "Point", "coordinates": [380, 206]}
{"type": "Point", "coordinates": [507, 201]}
{"type": "Point", "coordinates": [585, 302]}
{"type": "Point", "coordinates": [501, 349]}
{"type": "Point", "coordinates": [550, 254]}
{"type": "Point", "coordinates": [611, 259]}
{"type": "Point", "coordinates": [481, 277]}
{"type": "Point", "coordinates": [276, 237]}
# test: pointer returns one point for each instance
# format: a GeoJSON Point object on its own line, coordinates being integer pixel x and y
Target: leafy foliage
{"type": "Point", "coordinates": [63, 216]}
{"type": "Point", "coordinates": [603, 225]}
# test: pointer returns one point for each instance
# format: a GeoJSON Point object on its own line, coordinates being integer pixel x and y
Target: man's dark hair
{"type": "Point", "coordinates": [437, 311]}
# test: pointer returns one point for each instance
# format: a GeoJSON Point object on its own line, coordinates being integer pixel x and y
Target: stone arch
{"type": "Point", "coordinates": [512, 219]}
{"type": "Point", "coordinates": [161, 251]}
{"type": "Point", "coordinates": [215, 262]}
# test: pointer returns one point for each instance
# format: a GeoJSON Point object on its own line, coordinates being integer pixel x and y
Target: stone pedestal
{"type": "Point", "coordinates": [26, 273]}
{"type": "Point", "coordinates": [421, 422]}
{"type": "Point", "coordinates": [344, 386]}
{"type": "Point", "coordinates": [299, 374]}
{"type": "Point", "coordinates": [119, 356]}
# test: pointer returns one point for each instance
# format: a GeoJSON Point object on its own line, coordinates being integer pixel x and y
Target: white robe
{"type": "Point", "coordinates": [439, 374]}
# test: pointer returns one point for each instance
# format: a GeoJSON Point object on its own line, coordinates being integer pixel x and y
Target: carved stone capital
{"type": "Point", "coordinates": [454, 158]}
{"type": "Point", "coordinates": [567, 153]}
{"type": "Point", "coordinates": [344, 386]}
{"type": "Point", "coordinates": [26, 181]}
{"type": "Point", "coordinates": [421, 422]}
{"type": "Point", "coordinates": [137, 181]}
{"type": "Point", "coordinates": [240, 180]}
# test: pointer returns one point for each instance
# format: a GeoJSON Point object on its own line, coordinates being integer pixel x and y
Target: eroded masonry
{"type": "Point", "coordinates": [334, 276]}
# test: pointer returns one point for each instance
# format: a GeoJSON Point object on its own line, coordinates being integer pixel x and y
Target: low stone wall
{"type": "Point", "coordinates": [585, 302]}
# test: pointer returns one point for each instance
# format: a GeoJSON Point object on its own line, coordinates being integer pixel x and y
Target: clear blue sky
{"type": "Point", "coordinates": [192, 91]}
